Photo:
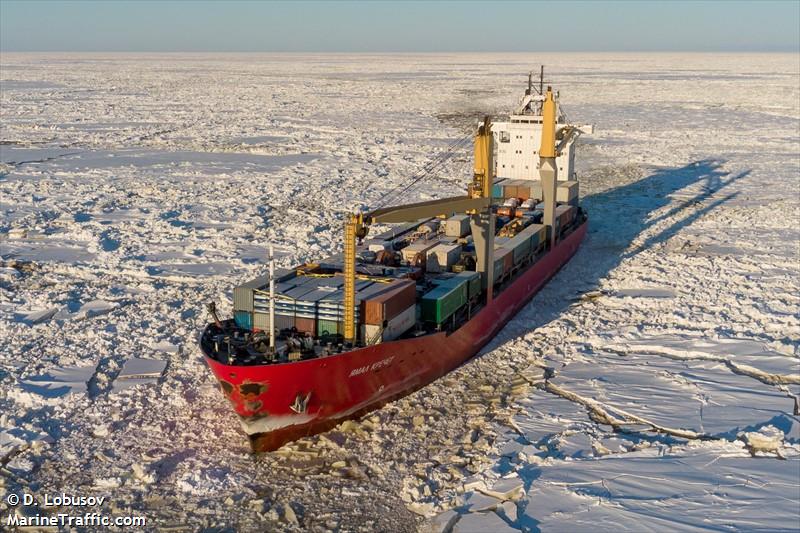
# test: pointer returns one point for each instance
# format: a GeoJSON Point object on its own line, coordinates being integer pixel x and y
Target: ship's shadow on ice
{"type": "Point", "coordinates": [624, 221]}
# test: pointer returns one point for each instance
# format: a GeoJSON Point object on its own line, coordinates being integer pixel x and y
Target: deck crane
{"type": "Point", "coordinates": [476, 203]}
{"type": "Point", "coordinates": [548, 151]}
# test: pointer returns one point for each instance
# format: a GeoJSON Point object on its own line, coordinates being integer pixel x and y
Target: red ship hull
{"type": "Point", "coordinates": [350, 384]}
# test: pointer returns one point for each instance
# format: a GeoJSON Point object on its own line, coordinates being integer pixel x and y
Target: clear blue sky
{"type": "Point", "coordinates": [396, 26]}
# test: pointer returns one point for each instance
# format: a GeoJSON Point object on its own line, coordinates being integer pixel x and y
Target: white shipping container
{"type": "Point", "coordinates": [567, 192]}
{"type": "Point", "coordinates": [457, 226]}
{"type": "Point", "coordinates": [442, 257]}
{"type": "Point", "coordinates": [374, 334]}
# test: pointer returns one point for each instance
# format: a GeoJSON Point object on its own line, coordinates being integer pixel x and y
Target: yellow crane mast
{"type": "Point", "coordinates": [548, 168]}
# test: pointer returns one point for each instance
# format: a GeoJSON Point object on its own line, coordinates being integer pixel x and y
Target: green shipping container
{"type": "Point", "coordinates": [439, 304]}
{"type": "Point", "coordinates": [329, 327]}
{"type": "Point", "coordinates": [473, 280]}
{"type": "Point", "coordinates": [457, 282]}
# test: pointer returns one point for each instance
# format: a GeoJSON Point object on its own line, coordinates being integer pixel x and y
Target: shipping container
{"type": "Point", "coordinates": [460, 283]}
{"type": "Point", "coordinates": [385, 305]}
{"type": "Point", "coordinates": [243, 319]}
{"type": "Point", "coordinates": [440, 258]}
{"type": "Point", "coordinates": [565, 214]}
{"type": "Point", "coordinates": [509, 191]}
{"type": "Point", "coordinates": [457, 226]}
{"type": "Point", "coordinates": [243, 299]}
{"type": "Point", "coordinates": [523, 190]}
{"type": "Point", "coordinates": [567, 192]}
{"type": "Point", "coordinates": [497, 190]}
{"type": "Point", "coordinates": [373, 333]}
{"type": "Point", "coordinates": [442, 302]}
{"type": "Point", "coordinates": [306, 325]}
{"type": "Point", "coordinates": [505, 255]}
{"type": "Point", "coordinates": [284, 322]}
{"type": "Point", "coordinates": [261, 321]}
{"type": "Point", "coordinates": [329, 327]}
{"type": "Point", "coordinates": [538, 234]}
{"type": "Point", "coordinates": [473, 280]}
{"type": "Point", "coordinates": [520, 246]}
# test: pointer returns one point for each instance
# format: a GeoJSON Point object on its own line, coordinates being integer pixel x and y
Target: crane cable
{"type": "Point", "coordinates": [434, 164]}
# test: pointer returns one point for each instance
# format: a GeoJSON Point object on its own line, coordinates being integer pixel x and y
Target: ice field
{"type": "Point", "coordinates": [653, 385]}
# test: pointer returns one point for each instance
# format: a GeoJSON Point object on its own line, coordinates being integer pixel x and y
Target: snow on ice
{"type": "Point", "coordinates": [652, 385]}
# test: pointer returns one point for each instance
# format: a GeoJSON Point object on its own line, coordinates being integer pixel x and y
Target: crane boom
{"type": "Point", "coordinates": [432, 208]}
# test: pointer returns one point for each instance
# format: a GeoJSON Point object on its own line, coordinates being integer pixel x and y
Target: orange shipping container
{"type": "Point", "coordinates": [306, 325]}
{"type": "Point", "coordinates": [398, 296]}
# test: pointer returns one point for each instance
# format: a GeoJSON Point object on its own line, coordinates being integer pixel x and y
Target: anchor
{"type": "Point", "coordinates": [300, 405]}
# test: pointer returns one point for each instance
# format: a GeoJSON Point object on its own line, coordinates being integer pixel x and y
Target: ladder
{"type": "Point", "coordinates": [350, 280]}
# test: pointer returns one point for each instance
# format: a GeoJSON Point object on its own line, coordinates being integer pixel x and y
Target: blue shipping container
{"type": "Point", "coordinates": [243, 319]}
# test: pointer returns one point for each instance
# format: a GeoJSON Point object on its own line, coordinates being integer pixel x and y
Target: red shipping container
{"type": "Point", "coordinates": [398, 296]}
{"type": "Point", "coordinates": [306, 325]}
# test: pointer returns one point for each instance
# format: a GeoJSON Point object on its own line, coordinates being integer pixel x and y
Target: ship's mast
{"type": "Point", "coordinates": [483, 223]}
{"type": "Point", "coordinates": [541, 79]}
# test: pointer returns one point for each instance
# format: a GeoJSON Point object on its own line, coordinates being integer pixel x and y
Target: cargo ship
{"type": "Point", "coordinates": [313, 345]}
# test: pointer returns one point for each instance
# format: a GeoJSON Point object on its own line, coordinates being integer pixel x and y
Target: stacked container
{"type": "Point", "coordinates": [389, 312]}
{"type": "Point", "coordinates": [443, 256]}
{"type": "Point", "coordinates": [457, 226]}
{"type": "Point", "coordinates": [565, 214]}
{"type": "Point", "coordinates": [503, 262]}
{"type": "Point", "coordinates": [567, 192]}
{"type": "Point", "coordinates": [440, 303]}
{"type": "Point", "coordinates": [520, 246]}
{"type": "Point", "coordinates": [473, 280]}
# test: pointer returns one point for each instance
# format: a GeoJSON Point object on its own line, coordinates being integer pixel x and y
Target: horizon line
{"type": "Point", "coordinates": [365, 52]}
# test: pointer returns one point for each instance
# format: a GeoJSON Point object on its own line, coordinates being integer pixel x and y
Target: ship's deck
{"type": "Point", "coordinates": [231, 344]}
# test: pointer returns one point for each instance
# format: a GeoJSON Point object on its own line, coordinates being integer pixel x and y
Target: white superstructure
{"type": "Point", "coordinates": [517, 141]}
